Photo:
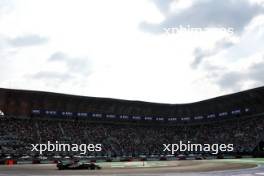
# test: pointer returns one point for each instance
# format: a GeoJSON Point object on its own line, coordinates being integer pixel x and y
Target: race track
{"type": "Point", "coordinates": [157, 168]}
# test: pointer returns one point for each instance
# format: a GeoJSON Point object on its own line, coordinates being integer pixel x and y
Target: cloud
{"type": "Point", "coordinates": [200, 54]}
{"type": "Point", "coordinates": [236, 80]}
{"type": "Point", "coordinates": [58, 56]}
{"type": "Point", "coordinates": [51, 79]}
{"type": "Point", "coordinates": [206, 13]}
{"type": "Point", "coordinates": [49, 75]}
{"type": "Point", "coordinates": [26, 40]}
{"type": "Point", "coordinates": [257, 72]}
{"type": "Point", "coordinates": [6, 6]}
{"type": "Point", "coordinates": [7, 43]}
{"type": "Point", "coordinates": [231, 80]}
{"type": "Point", "coordinates": [163, 5]}
{"type": "Point", "coordinates": [77, 65]}
{"type": "Point", "coordinates": [203, 14]}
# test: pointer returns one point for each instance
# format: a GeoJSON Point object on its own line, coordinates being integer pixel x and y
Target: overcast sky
{"type": "Point", "coordinates": [133, 49]}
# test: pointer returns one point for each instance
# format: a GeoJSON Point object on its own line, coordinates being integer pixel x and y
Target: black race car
{"type": "Point", "coordinates": [70, 165]}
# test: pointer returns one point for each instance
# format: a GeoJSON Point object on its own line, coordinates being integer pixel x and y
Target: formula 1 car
{"type": "Point", "coordinates": [69, 165]}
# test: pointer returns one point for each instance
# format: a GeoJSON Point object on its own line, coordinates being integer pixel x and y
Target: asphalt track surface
{"type": "Point", "coordinates": [167, 168]}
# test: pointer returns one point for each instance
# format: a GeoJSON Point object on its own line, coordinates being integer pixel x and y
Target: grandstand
{"type": "Point", "coordinates": [128, 129]}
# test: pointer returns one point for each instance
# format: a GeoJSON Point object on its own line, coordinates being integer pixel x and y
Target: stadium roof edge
{"type": "Point", "coordinates": [219, 98]}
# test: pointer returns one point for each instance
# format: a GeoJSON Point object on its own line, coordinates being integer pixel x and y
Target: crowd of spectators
{"type": "Point", "coordinates": [16, 135]}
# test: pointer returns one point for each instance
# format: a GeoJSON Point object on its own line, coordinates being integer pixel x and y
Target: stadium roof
{"type": "Point", "coordinates": [27, 99]}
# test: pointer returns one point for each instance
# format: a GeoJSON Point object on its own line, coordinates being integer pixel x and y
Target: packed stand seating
{"type": "Point", "coordinates": [16, 135]}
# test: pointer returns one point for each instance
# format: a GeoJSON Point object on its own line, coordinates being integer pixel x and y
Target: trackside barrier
{"type": "Point", "coordinates": [10, 162]}
{"type": "Point", "coordinates": [35, 161]}
{"type": "Point", "coordinates": [93, 161]}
